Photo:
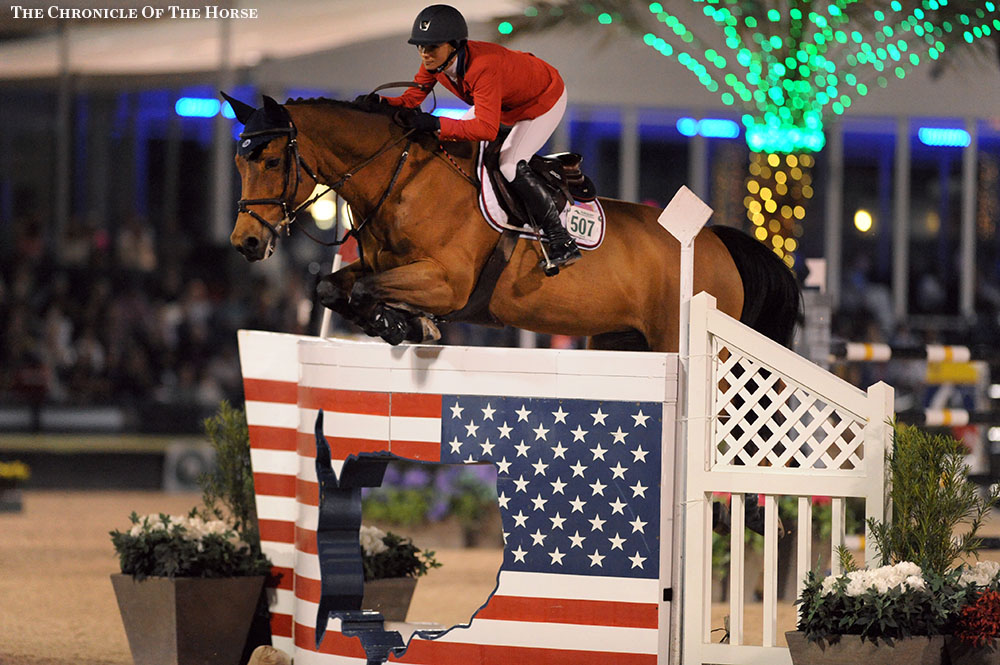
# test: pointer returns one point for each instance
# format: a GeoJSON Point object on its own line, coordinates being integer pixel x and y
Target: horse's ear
{"type": "Point", "coordinates": [242, 111]}
{"type": "Point", "coordinates": [274, 111]}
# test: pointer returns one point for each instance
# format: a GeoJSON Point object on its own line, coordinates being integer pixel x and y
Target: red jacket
{"type": "Point", "coordinates": [504, 85]}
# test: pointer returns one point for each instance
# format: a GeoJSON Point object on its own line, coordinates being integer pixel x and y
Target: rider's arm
{"type": "Point", "coordinates": [487, 93]}
{"type": "Point", "coordinates": [413, 96]}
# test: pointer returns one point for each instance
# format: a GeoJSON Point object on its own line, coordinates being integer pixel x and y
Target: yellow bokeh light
{"type": "Point", "coordinates": [773, 160]}
{"type": "Point", "coordinates": [796, 173]}
{"type": "Point", "coordinates": [799, 212]}
{"type": "Point", "coordinates": [781, 188]}
{"type": "Point", "coordinates": [790, 244]}
{"type": "Point", "coordinates": [757, 219]}
{"type": "Point", "coordinates": [765, 172]}
{"type": "Point", "coordinates": [780, 177]}
{"type": "Point", "coordinates": [779, 252]}
{"type": "Point", "coordinates": [754, 206]}
{"type": "Point", "coordinates": [755, 169]}
{"type": "Point", "coordinates": [807, 192]}
{"type": "Point", "coordinates": [792, 160]}
{"type": "Point", "coordinates": [753, 186]}
{"type": "Point", "coordinates": [765, 193]}
{"type": "Point", "coordinates": [789, 260]}
{"type": "Point", "coordinates": [786, 211]}
{"type": "Point", "coordinates": [863, 221]}
{"type": "Point", "coordinates": [774, 226]}
{"type": "Point", "coordinates": [777, 241]}
{"type": "Point", "coordinates": [806, 161]}
{"type": "Point", "coordinates": [760, 233]}
{"type": "Point", "coordinates": [770, 205]}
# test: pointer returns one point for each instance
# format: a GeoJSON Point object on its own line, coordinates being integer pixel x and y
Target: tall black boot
{"type": "Point", "coordinates": [562, 249]}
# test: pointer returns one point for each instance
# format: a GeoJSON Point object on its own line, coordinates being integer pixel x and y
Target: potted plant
{"type": "Point", "coordinates": [975, 640]}
{"type": "Point", "coordinates": [12, 476]}
{"type": "Point", "coordinates": [190, 585]}
{"type": "Point", "coordinates": [392, 565]}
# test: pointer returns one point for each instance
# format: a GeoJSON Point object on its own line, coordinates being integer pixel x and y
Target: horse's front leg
{"type": "Point", "coordinates": [422, 285]}
{"type": "Point", "coordinates": [334, 292]}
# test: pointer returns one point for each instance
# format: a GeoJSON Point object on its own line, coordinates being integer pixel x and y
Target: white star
{"type": "Point", "coordinates": [538, 537]}
{"type": "Point", "coordinates": [522, 484]}
{"type": "Point", "coordinates": [471, 428]}
{"type": "Point", "coordinates": [598, 487]}
{"type": "Point", "coordinates": [638, 490]}
{"type": "Point", "coordinates": [618, 506]}
{"type": "Point", "coordinates": [522, 414]}
{"type": "Point", "coordinates": [637, 560]}
{"type": "Point", "coordinates": [619, 435]}
{"type": "Point", "coordinates": [560, 415]}
{"type": "Point", "coordinates": [638, 525]}
{"type": "Point", "coordinates": [504, 534]}
{"type": "Point", "coordinates": [639, 454]}
{"type": "Point", "coordinates": [577, 540]}
{"type": "Point", "coordinates": [520, 519]}
{"type": "Point", "coordinates": [597, 524]}
{"type": "Point", "coordinates": [578, 469]}
{"type": "Point", "coordinates": [557, 556]}
{"type": "Point", "coordinates": [578, 504]}
{"type": "Point", "coordinates": [503, 466]}
{"type": "Point", "coordinates": [505, 431]}
{"type": "Point", "coordinates": [539, 502]}
{"type": "Point", "coordinates": [540, 432]}
{"type": "Point", "coordinates": [557, 486]}
{"type": "Point", "coordinates": [456, 445]}
{"type": "Point", "coordinates": [579, 434]}
{"type": "Point", "coordinates": [596, 559]}
{"type": "Point", "coordinates": [503, 499]}
{"type": "Point", "coordinates": [559, 450]}
{"type": "Point", "coordinates": [522, 449]}
{"type": "Point", "coordinates": [488, 412]}
{"type": "Point", "coordinates": [518, 554]}
{"type": "Point", "coordinates": [619, 471]}
{"type": "Point", "coordinates": [456, 411]}
{"type": "Point", "coordinates": [599, 416]}
{"type": "Point", "coordinates": [540, 467]}
{"type": "Point", "coordinates": [470, 459]}
{"type": "Point", "coordinates": [557, 521]}
{"type": "Point", "coordinates": [598, 452]}
{"type": "Point", "coordinates": [640, 419]}
{"type": "Point", "coordinates": [616, 542]}
{"type": "Point", "coordinates": [487, 447]}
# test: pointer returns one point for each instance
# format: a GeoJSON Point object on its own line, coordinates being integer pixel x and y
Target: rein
{"type": "Point", "coordinates": [292, 155]}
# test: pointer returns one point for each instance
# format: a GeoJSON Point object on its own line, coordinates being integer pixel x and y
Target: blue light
{"type": "Point", "coordinates": [227, 111]}
{"type": "Point", "coordinates": [197, 107]}
{"type": "Point", "coordinates": [941, 136]}
{"type": "Point", "coordinates": [444, 112]}
{"type": "Point", "coordinates": [712, 128]}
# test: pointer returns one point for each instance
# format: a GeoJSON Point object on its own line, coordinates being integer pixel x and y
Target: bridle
{"type": "Point", "coordinates": [292, 155]}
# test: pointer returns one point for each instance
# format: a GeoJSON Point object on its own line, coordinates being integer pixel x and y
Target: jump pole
{"type": "Point", "coordinates": [683, 218]}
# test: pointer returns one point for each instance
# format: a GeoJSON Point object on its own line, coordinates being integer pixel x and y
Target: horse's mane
{"type": "Point", "coordinates": [459, 148]}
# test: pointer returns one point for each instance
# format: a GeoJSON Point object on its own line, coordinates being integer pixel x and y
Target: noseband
{"type": "Point", "coordinates": [292, 155]}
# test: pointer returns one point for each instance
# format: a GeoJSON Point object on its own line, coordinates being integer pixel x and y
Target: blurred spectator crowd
{"type": "Point", "coordinates": [103, 317]}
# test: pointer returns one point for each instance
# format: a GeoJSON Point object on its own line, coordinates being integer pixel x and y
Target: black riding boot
{"type": "Point", "coordinates": [562, 249]}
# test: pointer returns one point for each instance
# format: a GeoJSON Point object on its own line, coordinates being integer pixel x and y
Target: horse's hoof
{"type": "Point", "coordinates": [328, 294]}
{"type": "Point", "coordinates": [422, 330]}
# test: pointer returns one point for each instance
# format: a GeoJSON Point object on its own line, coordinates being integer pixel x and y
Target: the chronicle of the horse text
{"type": "Point", "coordinates": [129, 13]}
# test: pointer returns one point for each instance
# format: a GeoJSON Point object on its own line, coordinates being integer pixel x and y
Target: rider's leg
{"type": "Point", "coordinates": [525, 139]}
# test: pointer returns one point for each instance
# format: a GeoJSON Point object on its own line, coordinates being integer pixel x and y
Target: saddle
{"type": "Point", "coordinates": [560, 172]}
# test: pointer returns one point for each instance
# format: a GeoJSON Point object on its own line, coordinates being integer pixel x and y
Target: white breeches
{"type": "Point", "coordinates": [527, 136]}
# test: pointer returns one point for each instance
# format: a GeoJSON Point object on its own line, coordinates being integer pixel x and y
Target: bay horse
{"type": "Point", "coordinates": [424, 243]}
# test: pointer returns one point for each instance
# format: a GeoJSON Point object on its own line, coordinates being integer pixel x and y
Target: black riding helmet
{"type": "Point", "coordinates": [438, 24]}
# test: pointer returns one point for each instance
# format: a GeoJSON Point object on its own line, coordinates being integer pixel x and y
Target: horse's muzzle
{"type": "Point", "coordinates": [253, 249]}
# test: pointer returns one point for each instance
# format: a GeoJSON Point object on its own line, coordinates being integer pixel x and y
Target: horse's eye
{"type": "Point", "coordinates": [271, 162]}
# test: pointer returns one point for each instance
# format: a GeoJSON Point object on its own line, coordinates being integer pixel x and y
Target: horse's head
{"type": "Point", "coordinates": [268, 160]}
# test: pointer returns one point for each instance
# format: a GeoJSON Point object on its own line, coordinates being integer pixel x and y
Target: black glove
{"type": "Point", "coordinates": [418, 120]}
{"type": "Point", "coordinates": [369, 101]}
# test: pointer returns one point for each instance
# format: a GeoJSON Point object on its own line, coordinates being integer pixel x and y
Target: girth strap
{"type": "Point", "coordinates": [478, 307]}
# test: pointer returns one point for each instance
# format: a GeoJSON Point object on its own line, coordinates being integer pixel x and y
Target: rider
{"type": "Point", "coordinates": [502, 85]}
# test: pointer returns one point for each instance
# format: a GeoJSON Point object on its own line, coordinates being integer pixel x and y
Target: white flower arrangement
{"type": "Point", "coordinates": [983, 574]}
{"type": "Point", "coordinates": [386, 555]}
{"type": "Point", "coordinates": [905, 575]}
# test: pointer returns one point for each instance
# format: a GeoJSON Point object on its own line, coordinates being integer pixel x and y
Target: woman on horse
{"type": "Point", "coordinates": [503, 86]}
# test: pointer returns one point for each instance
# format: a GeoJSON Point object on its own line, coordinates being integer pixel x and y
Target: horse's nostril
{"type": "Point", "coordinates": [250, 242]}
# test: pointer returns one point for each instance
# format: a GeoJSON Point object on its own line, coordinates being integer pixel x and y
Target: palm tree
{"type": "Point", "coordinates": [789, 65]}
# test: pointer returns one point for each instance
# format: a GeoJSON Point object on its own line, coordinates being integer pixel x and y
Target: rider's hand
{"type": "Point", "coordinates": [368, 101]}
{"type": "Point", "coordinates": [420, 121]}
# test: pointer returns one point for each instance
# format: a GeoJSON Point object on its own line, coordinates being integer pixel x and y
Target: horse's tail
{"type": "Point", "coordinates": [772, 300]}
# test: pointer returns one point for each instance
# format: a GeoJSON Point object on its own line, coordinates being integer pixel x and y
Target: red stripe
{"type": "Point", "coordinates": [414, 405]}
{"type": "Point", "coordinates": [417, 450]}
{"type": "Point", "coordinates": [344, 401]}
{"type": "Point", "coordinates": [340, 447]}
{"type": "Point", "coordinates": [274, 484]}
{"type": "Point", "coordinates": [584, 612]}
{"type": "Point", "coordinates": [277, 531]}
{"type": "Point", "coordinates": [308, 589]}
{"type": "Point", "coordinates": [305, 540]}
{"type": "Point", "coordinates": [281, 625]}
{"type": "Point", "coordinates": [306, 492]}
{"type": "Point", "coordinates": [452, 653]}
{"type": "Point", "coordinates": [285, 576]}
{"type": "Point", "coordinates": [266, 390]}
{"type": "Point", "coordinates": [272, 438]}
